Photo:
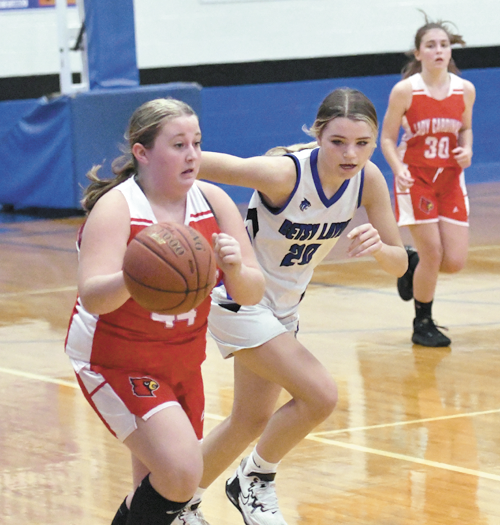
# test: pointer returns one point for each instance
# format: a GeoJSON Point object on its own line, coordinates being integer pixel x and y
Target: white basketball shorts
{"type": "Point", "coordinates": [235, 327]}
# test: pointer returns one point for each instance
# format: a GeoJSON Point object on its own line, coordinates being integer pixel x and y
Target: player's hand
{"type": "Point", "coordinates": [463, 156]}
{"type": "Point", "coordinates": [365, 240]}
{"type": "Point", "coordinates": [227, 252]}
{"type": "Point", "coordinates": [404, 180]}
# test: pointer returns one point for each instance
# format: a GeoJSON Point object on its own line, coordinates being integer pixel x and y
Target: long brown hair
{"type": "Point", "coordinates": [143, 128]}
{"type": "Point", "coordinates": [415, 66]}
{"type": "Point", "coordinates": [348, 103]}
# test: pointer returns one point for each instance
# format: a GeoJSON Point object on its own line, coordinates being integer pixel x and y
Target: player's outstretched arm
{"type": "Point", "coordinates": [273, 177]}
{"type": "Point", "coordinates": [380, 237]}
{"type": "Point", "coordinates": [243, 278]}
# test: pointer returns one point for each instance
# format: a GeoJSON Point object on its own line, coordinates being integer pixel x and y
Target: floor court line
{"type": "Point", "coordinates": [401, 423]}
{"type": "Point", "coordinates": [317, 436]}
{"type": "Point", "coordinates": [327, 262]}
{"type": "Point", "coordinates": [39, 292]}
{"type": "Point", "coordinates": [403, 457]}
{"type": "Point", "coordinates": [69, 384]}
{"type": "Point", "coordinates": [38, 377]}
{"type": "Point", "coordinates": [305, 331]}
{"type": "Point", "coordinates": [37, 246]}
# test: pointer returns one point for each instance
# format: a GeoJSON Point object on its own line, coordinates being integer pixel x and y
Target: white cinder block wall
{"type": "Point", "coordinates": [191, 32]}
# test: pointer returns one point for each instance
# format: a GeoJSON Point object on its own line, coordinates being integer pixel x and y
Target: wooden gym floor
{"type": "Point", "coordinates": [414, 439]}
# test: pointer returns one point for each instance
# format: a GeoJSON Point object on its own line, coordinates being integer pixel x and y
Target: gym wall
{"type": "Point", "coordinates": [265, 65]}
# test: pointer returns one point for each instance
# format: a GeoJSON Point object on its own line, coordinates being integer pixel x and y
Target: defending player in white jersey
{"type": "Point", "coordinates": [302, 203]}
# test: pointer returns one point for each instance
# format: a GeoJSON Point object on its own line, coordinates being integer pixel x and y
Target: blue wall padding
{"type": "Point", "coordinates": [45, 155]}
{"type": "Point", "coordinates": [100, 119]}
{"type": "Point", "coordinates": [242, 120]}
{"type": "Point", "coordinates": [36, 157]}
{"type": "Point", "coordinates": [248, 120]}
{"type": "Point", "coordinates": [12, 111]}
{"type": "Point", "coordinates": [111, 50]}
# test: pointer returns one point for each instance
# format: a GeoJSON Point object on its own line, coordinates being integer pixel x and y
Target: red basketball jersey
{"type": "Point", "coordinates": [132, 337]}
{"type": "Point", "coordinates": [432, 127]}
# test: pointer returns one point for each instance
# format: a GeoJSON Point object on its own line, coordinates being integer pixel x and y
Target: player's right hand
{"type": "Point", "coordinates": [404, 180]}
{"type": "Point", "coordinates": [227, 251]}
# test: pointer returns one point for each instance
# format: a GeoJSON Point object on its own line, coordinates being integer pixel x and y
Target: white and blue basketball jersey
{"type": "Point", "coordinates": [291, 241]}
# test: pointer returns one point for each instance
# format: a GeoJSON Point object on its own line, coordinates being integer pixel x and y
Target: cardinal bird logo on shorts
{"type": "Point", "coordinates": [426, 205]}
{"type": "Point", "coordinates": [144, 386]}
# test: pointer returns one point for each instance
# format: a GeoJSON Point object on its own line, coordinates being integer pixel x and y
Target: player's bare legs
{"type": "Point", "coordinates": [442, 247]}
{"type": "Point", "coordinates": [253, 405]}
{"type": "Point", "coordinates": [173, 475]}
{"type": "Point", "coordinates": [288, 363]}
{"type": "Point", "coordinates": [427, 239]}
{"type": "Point", "coordinates": [139, 471]}
{"type": "Point", "coordinates": [174, 464]}
{"type": "Point", "coordinates": [260, 373]}
{"type": "Point", "coordinates": [455, 242]}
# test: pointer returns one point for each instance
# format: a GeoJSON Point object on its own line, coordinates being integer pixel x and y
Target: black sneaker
{"type": "Point", "coordinates": [426, 333]}
{"type": "Point", "coordinates": [405, 283]}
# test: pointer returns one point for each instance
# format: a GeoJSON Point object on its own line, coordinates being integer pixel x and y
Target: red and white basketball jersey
{"type": "Point", "coordinates": [132, 337]}
{"type": "Point", "coordinates": [432, 126]}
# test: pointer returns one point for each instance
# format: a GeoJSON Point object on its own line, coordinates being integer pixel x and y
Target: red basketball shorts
{"type": "Point", "coordinates": [119, 396]}
{"type": "Point", "coordinates": [438, 194]}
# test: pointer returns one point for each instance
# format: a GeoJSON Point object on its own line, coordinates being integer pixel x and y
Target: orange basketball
{"type": "Point", "coordinates": [169, 268]}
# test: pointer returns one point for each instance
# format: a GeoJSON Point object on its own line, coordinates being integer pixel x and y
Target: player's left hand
{"type": "Point", "coordinates": [227, 252]}
{"type": "Point", "coordinates": [365, 240]}
{"type": "Point", "coordinates": [463, 156]}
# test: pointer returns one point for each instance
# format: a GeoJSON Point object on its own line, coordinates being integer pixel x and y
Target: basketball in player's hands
{"type": "Point", "coordinates": [169, 268]}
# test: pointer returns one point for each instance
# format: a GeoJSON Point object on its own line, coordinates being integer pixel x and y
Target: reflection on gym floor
{"type": "Point", "coordinates": [414, 439]}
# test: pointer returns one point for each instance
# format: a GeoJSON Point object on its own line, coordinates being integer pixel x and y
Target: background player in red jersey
{"type": "Point", "coordinates": [434, 107]}
{"type": "Point", "coordinates": [140, 371]}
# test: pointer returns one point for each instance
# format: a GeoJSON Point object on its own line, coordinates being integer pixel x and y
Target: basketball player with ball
{"type": "Point", "coordinates": [140, 367]}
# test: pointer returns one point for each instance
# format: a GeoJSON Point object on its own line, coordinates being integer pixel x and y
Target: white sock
{"type": "Point", "coordinates": [256, 463]}
{"type": "Point", "coordinates": [197, 496]}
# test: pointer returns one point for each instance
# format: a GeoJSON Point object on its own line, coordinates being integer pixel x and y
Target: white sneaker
{"type": "Point", "coordinates": [255, 497]}
{"type": "Point", "coordinates": [191, 515]}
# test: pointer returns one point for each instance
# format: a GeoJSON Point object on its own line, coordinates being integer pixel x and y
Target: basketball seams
{"type": "Point", "coordinates": [162, 260]}
{"type": "Point", "coordinates": [166, 254]}
{"type": "Point", "coordinates": [156, 249]}
{"type": "Point", "coordinates": [155, 288]}
{"type": "Point", "coordinates": [189, 241]}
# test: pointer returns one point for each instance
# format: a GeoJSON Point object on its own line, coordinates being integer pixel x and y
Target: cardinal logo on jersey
{"type": "Point", "coordinates": [304, 205]}
{"type": "Point", "coordinates": [144, 386]}
{"type": "Point", "coordinates": [426, 205]}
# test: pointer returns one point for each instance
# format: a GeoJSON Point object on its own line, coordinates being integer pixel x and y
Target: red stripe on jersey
{"type": "Point", "coordinates": [147, 222]}
{"type": "Point", "coordinates": [202, 215]}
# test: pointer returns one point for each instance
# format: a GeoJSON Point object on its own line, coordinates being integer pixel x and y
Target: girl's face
{"type": "Point", "coordinates": [175, 157]}
{"type": "Point", "coordinates": [346, 146]}
{"type": "Point", "coordinates": [435, 50]}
